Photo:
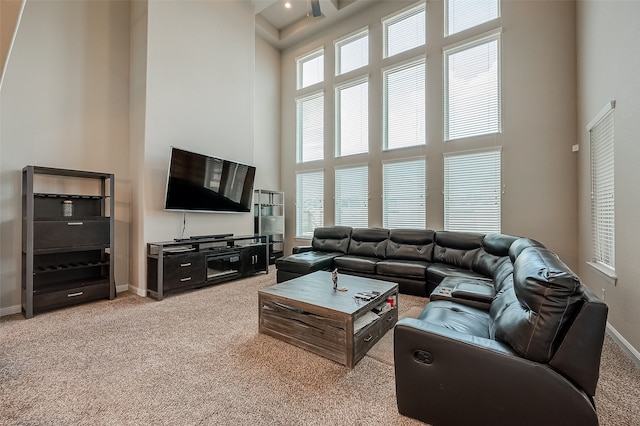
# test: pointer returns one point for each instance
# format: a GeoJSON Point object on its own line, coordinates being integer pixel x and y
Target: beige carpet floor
{"type": "Point", "coordinates": [197, 358]}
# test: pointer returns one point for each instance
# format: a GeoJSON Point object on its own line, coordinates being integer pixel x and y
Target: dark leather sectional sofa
{"type": "Point", "coordinates": [510, 335]}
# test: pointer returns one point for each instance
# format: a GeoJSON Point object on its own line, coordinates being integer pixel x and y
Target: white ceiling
{"type": "Point", "coordinates": [284, 27]}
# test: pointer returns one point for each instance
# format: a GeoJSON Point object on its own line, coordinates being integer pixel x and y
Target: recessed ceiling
{"type": "Point", "coordinates": [283, 27]}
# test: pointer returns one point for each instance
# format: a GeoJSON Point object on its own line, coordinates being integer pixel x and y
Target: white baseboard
{"type": "Point", "coordinates": [624, 344]}
{"type": "Point", "coordinates": [137, 290]}
{"type": "Point", "coordinates": [10, 310]}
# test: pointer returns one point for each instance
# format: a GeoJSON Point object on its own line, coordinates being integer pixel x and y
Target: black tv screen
{"type": "Point", "coordinates": [198, 182]}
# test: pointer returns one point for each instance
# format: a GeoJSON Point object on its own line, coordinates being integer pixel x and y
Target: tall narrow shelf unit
{"type": "Point", "coordinates": [67, 238]}
{"type": "Point", "coordinates": [268, 210]}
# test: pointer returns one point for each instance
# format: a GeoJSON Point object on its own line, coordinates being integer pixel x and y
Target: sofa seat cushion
{"type": "Point", "coordinates": [356, 263]}
{"type": "Point", "coordinates": [457, 317]}
{"type": "Point", "coordinates": [306, 262]}
{"type": "Point", "coordinates": [400, 268]}
{"type": "Point", "coordinates": [438, 271]}
{"type": "Point", "coordinates": [464, 288]}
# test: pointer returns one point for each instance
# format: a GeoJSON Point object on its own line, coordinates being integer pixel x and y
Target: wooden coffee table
{"type": "Point", "coordinates": [308, 313]}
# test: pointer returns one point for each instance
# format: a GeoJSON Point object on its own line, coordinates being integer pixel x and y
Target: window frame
{"type": "Point", "coordinates": [301, 60]}
{"type": "Point", "coordinates": [299, 128]}
{"type": "Point", "coordinates": [396, 17]}
{"type": "Point", "coordinates": [467, 44]}
{"type": "Point", "coordinates": [384, 195]}
{"type": "Point", "coordinates": [300, 209]}
{"type": "Point", "coordinates": [600, 243]}
{"type": "Point", "coordinates": [446, 176]}
{"type": "Point", "coordinates": [367, 197]}
{"type": "Point", "coordinates": [341, 42]}
{"type": "Point", "coordinates": [385, 105]}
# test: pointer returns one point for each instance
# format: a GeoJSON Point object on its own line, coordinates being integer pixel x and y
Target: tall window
{"type": "Point", "coordinates": [404, 105]}
{"type": "Point", "coordinates": [352, 118]}
{"type": "Point", "coordinates": [404, 31]}
{"type": "Point", "coordinates": [310, 69]}
{"type": "Point", "coordinates": [352, 52]}
{"type": "Point", "coordinates": [463, 14]}
{"type": "Point", "coordinates": [403, 194]}
{"type": "Point", "coordinates": [602, 187]}
{"type": "Point", "coordinates": [472, 191]}
{"type": "Point", "coordinates": [472, 89]}
{"type": "Point", "coordinates": [309, 203]}
{"type": "Point", "coordinates": [310, 127]}
{"type": "Point", "coordinates": [352, 196]}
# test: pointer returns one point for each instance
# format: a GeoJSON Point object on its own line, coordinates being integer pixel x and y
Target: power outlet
{"type": "Point", "coordinates": [603, 294]}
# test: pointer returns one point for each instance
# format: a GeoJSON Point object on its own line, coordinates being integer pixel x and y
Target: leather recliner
{"type": "Point", "coordinates": [532, 359]}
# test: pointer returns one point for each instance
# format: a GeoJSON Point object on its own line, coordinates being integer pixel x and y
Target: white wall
{"type": "Point", "coordinates": [539, 121]}
{"type": "Point", "coordinates": [200, 74]}
{"type": "Point", "coordinates": [608, 70]}
{"type": "Point", "coordinates": [64, 103]}
{"type": "Point", "coordinates": [267, 116]}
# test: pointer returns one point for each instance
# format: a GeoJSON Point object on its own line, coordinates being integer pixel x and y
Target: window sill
{"type": "Point", "coordinates": [606, 271]}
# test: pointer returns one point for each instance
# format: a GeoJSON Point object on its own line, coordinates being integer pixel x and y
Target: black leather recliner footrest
{"type": "Point", "coordinates": [304, 263]}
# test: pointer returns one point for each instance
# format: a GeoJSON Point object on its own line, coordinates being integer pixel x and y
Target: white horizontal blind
{"type": "Point", "coordinates": [602, 190]}
{"type": "Point", "coordinates": [352, 52]}
{"type": "Point", "coordinates": [310, 69]}
{"type": "Point", "coordinates": [404, 31]}
{"type": "Point", "coordinates": [310, 128]}
{"type": "Point", "coordinates": [464, 14]}
{"type": "Point", "coordinates": [352, 196]}
{"type": "Point", "coordinates": [472, 89]}
{"type": "Point", "coordinates": [309, 203]}
{"type": "Point", "coordinates": [404, 118]}
{"type": "Point", "coordinates": [472, 194]}
{"type": "Point", "coordinates": [404, 194]}
{"type": "Point", "coordinates": [352, 118]}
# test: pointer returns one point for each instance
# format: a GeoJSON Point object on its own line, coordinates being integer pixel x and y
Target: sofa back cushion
{"type": "Point", "coordinates": [533, 314]}
{"type": "Point", "coordinates": [368, 242]}
{"type": "Point", "coordinates": [331, 239]}
{"type": "Point", "coordinates": [494, 251]}
{"type": "Point", "coordinates": [410, 244]}
{"type": "Point", "coordinates": [520, 244]}
{"type": "Point", "coordinates": [456, 248]}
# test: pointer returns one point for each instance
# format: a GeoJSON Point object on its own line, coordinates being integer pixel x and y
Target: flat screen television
{"type": "Point", "coordinates": [198, 182]}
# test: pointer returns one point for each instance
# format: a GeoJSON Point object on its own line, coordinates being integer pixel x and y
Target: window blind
{"type": "Point", "coordinates": [464, 14]}
{"type": "Point", "coordinates": [309, 203]}
{"type": "Point", "coordinates": [404, 117]}
{"type": "Point", "coordinates": [352, 52]}
{"type": "Point", "coordinates": [310, 69]}
{"type": "Point", "coordinates": [404, 194]}
{"type": "Point", "coordinates": [472, 89]}
{"type": "Point", "coordinates": [404, 31]}
{"type": "Point", "coordinates": [472, 193]}
{"type": "Point", "coordinates": [352, 118]}
{"type": "Point", "coordinates": [602, 190]}
{"type": "Point", "coordinates": [352, 196]}
{"type": "Point", "coordinates": [310, 128]}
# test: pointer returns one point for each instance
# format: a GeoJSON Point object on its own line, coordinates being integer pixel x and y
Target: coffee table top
{"type": "Point", "coordinates": [317, 289]}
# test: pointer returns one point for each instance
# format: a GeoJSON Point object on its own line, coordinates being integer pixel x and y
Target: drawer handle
{"type": "Point", "coordinates": [75, 223]}
{"type": "Point", "coordinates": [185, 264]}
{"type": "Point", "coordinates": [80, 293]}
{"type": "Point", "coordinates": [368, 338]}
{"type": "Point", "coordinates": [185, 279]}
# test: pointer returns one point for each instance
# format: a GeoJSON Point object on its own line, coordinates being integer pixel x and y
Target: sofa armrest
{"type": "Point", "coordinates": [301, 249]}
{"type": "Point", "coordinates": [447, 377]}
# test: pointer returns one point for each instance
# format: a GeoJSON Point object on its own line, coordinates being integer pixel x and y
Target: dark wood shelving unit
{"type": "Point", "coordinates": [66, 255]}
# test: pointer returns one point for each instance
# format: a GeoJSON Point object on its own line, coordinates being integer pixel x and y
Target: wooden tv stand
{"type": "Point", "coordinates": [184, 264]}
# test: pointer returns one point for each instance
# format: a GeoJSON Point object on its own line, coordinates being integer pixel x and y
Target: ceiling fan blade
{"type": "Point", "coordinates": [315, 8]}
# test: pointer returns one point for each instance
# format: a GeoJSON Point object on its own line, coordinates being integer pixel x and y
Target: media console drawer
{"type": "Point", "coordinates": [183, 270]}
